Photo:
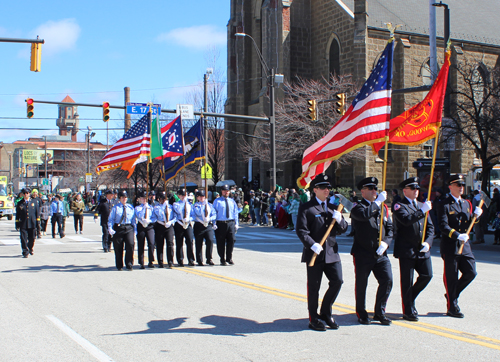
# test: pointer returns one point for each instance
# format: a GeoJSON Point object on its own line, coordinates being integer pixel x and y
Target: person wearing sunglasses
{"type": "Point", "coordinates": [455, 215]}
{"type": "Point", "coordinates": [313, 220]}
{"type": "Point", "coordinates": [370, 255]}
{"type": "Point", "coordinates": [409, 218]}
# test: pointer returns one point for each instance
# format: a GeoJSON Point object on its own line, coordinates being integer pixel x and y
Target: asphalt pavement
{"type": "Point", "coordinates": [68, 302]}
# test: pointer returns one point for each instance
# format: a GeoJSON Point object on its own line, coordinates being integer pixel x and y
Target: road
{"type": "Point", "coordinates": [68, 302]}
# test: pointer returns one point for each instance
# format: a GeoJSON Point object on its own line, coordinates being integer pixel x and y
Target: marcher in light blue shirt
{"type": "Point", "coordinates": [122, 226]}
{"type": "Point", "coordinates": [164, 219]}
{"type": "Point", "coordinates": [56, 213]}
{"type": "Point", "coordinates": [144, 214]}
{"type": "Point", "coordinates": [183, 229]}
{"type": "Point", "coordinates": [204, 216]}
{"type": "Point", "coordinates": [227, 226]}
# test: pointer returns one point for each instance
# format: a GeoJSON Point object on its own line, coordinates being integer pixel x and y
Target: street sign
{"type": "Point", "coordinates": [88, 177]}
{"type": "Point", "coordinates": [206, 169]}
{"type": "Point", "coordinates": [81, 179]}
{"type": "Point", "coordinates": [45, 181]}
{"type": "Point", "coordinates": [186, 111]}
{"type": "Point", "coordinates": [142, 108]}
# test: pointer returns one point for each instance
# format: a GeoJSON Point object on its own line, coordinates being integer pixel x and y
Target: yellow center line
{"type": "Point", "coordinates": [423, 327]}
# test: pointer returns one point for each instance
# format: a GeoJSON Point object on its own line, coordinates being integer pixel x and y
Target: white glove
{"type": "Point", "coordinates": [381, 198]}
{"type": "Point", "coordinates": [111, 232]}
{"type": "Point", "coordinates": [167, 224]}
{"type": "Point", "coordinates": [478, 211]}
{"type": "Point", "coordinates": [463, 238]}
{"type": "Point", "coordinates": [317, 248]}
{"type": "Point", "coordinates": [425, 247]}
{"type": "Point", "coordinates": [214, 226]}
{"type": "Point", "coordinates": [95, 220]}
{"type": "Point", "coordinates": [336, 215]}
{"type": "Point", "coordinates": [382, 248]}
{"type": "Point", "coordinates": [426, 206]}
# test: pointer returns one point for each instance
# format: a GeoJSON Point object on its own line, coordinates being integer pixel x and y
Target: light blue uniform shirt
{"type": "Point", "coordinates": [198, 212]}
{"type": "Point", "coordinates": [220, 209]}
{"type": "Point", "coordinates": [115, 216]}
{"type": "Point", "coordinates": [179, 208]}
{"type": "Point", "coordinates": [159, 213]}
{"type": "Point", "coordinates": [56, 207]}
{"type": "Point", "coordinates": [140, 212]}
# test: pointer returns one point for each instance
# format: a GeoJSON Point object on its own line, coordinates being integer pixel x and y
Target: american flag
{"type": "Point", "coordinates": [365, 122]}
{"type": "Point", "coordinates": [135, 145]}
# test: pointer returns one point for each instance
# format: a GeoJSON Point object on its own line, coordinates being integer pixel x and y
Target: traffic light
{"type": "Point", "coordinates": [105, 111]}
{"type": "Point", "coordinates": [30, 108]}
{"type": "Point", "coordinates": [340, 104]}
{"type": "Point", "coordinates": [36, 57]}
{"type": "Point", "coordinates": [312, 108]}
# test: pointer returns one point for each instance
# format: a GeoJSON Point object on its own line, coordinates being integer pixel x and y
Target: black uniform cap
{"type": "Point", "coordinates": [225, 187]}
{"type": "Point", "coordinates": [152, 193]}
{"type": "Point", "coordinates": [122, 194]}
{"type": "Point", "coordinates": [456, 179]}
{"type": "Point", "coordinates": [24, 191]}
{"type": "Point", "coordinates": [181, 192]}
{"type": "Point", "coordinates": [321, 180]}
{"type": "Point", "coordinates": [108, 192]}
{"type": "Point", "coordinates": [200, 193]}
{"type": "Point", "coordinates": [412, 181]}
{"type": "Point", "coordinates": [161, 195]}
{"type": "Point", "coordinates": [369, 181]}
{"type": "Point", "coordinates": [141, 193]}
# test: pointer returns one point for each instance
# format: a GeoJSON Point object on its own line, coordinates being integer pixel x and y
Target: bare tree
{"type": "Point", "coordinates": [475, 112]}
{"type": "Point", "coordinates": [295, 131]}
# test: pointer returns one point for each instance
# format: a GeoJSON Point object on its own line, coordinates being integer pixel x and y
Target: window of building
{"type": "Point", "coordinates": [68, 112]}
{"type": "Point", "coordinates": [334, 57]}
{"type": "Point", "coordinates": [478, 84]}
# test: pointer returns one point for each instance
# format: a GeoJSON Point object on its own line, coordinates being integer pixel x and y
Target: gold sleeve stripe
{"type": "Point", "coordinates": [451, 233]}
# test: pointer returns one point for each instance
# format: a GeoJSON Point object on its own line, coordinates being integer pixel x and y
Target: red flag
{"type": "Point", "coordinates": [365, 122]}
{"type": "Point", "coordinates": [420, 122]}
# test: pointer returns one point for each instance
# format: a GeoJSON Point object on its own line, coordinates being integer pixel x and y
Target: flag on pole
{"type": "Point", "coordinates": [365, 122]}
{"type": "Point", "coordinates": [194, 148]}
{"type": "Point", "coordinates": [131, 149]}
{"type": "Point", "coordinates": [171, 140]}
{"type": "Point", "coordinates": [421, 122]}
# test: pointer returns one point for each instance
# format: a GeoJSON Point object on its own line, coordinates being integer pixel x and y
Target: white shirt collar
{"type": "Point", "coordinates": [457, 200]}
{"type": "Point", "coordinates": [411, 201]}
{"type": "Point", "coordinates": [319, 201]}
{"type": "Point", "coordinates": [369, 202]}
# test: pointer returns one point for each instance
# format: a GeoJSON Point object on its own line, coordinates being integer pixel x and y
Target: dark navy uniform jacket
{"type": "Point", "coordinates": [27, 214]}
{"type": "Point", "coordinates": [454, 219]}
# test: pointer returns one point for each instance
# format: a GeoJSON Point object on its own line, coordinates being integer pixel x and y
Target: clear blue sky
{"type": "Point", "coordinates": [93, 49]}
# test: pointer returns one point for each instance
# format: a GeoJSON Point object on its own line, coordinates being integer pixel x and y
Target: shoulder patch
{"type": "Point", "coordinates": [397, 207]}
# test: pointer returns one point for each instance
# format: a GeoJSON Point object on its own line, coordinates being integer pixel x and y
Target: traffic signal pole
{"type": "Point", "coordinates": [36, 50]}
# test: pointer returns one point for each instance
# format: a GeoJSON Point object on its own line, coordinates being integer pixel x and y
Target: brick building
{"type": "Point", "coordinates": [313, 38]}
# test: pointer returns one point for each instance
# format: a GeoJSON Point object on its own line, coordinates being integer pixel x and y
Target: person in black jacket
{"type": "Point", "coordinates": [104, 209]}
{"type": "Point", "coordinates": [370, 255]}
{"type": "Point", "coordinates": [27, 219]}
{"type": "Point", "coordinates": [455, 215]}
{"type": "Point", "coordinates": [409, 217]}
{"type": "Point", "coordinates": [313, 220]}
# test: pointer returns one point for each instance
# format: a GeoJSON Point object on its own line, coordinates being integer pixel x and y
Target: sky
{"type": "Point", "coordinates": [93, 49]}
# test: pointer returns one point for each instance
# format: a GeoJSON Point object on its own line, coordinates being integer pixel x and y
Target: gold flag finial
{"type": "Point", "coordinates": [392, 29]}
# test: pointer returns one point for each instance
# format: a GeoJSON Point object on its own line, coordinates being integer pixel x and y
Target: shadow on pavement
{"type": "Point", "coordinates": [227, 326]}
{"type": "Point", "coordinates": [61, 268]}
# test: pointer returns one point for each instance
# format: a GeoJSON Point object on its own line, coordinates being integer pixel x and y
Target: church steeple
{"type": "Point", "coordinates": [68, 118]}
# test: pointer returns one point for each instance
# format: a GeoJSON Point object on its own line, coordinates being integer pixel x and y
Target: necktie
{"type": "Point", "coordinates": [206, 210]}
{"type": "Point", "coordinates": [414, 204]}
{"type": "Point", "coordinates": [323, 206]}
{"type": "Point", "coordinates": [166, 211]}
{"type": "Point", "coordinates": [227, 208]}
{"type": "Point", "coordinates": [124, 214]}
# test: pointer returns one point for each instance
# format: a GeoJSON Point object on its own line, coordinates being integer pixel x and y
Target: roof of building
{"type": "Point", "coordinates": [68, 99]}
{"type": "Point", "coordinates": [475, 21]}
{"type": "Point", "coordinates": [71, 146]}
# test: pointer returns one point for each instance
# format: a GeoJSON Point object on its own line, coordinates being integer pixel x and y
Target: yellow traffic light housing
{"type": "Point", "coordinates": [105, 111]}
{"type": "Point", "coordinates": [30, 107]}
{"type": "Point", "coordinates": [340, 104]}
{"type": "Point", "coordinates": [36, 57]}
{"type": "Point", "coordinates": [312, 108]}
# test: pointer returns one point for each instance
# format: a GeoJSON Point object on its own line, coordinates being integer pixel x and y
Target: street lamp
{"type": "Point", "coordinates": [272, 80]}
{"type": "Point", "coordinates": [88, 137]}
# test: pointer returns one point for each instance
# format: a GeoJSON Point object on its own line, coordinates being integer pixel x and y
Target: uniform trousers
{"type": "Point", "coordinates": [57, 219]}
{"type": "Point", "coordinates": [454, 286]}
{"type": "Point", "coordinates": [226, 237]}
{"type": "Point", "coordinates": [124, 237]}
{"type": "Point", "coordinates": [203, 233]}
{"type": "Point", "coordinates": [333, 272]}
{"type": "Point", "coordinates": [381, 268]}
{"type": "Point", "coordinates": [143, 234]}
{"type": "Point", "coordinates": [182, 234]}
{"type": "Point", "coordinates": [106, 242]}
{"type": "Point", "coordinates": [78, 219]}
{"type": "Point", "coordinates": [162, 235]}
{"type": "Point", "coordinates": [27, 240]}
{"type": "Point", "coordinates": [410, 291]}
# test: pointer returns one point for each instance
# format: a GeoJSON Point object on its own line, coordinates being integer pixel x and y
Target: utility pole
{"type": "Point", "coordinates": [205, 124]}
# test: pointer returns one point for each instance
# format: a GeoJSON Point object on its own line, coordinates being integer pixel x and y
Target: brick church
{"type": "Point", "coordinates": [314, 38]}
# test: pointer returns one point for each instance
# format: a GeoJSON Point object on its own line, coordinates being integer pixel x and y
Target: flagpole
{"type": "Point", "coordinates": [204, 134]}
{"type": "Point", "coordinates": [183, 157]}
{"type": "Point", "coordinates": [429, 190]}
{"type": "Point", "coordinates": [383, 189]}
{"type": "Point", "coordinates": [158, 130]}
{"type": "Point", "coordinates": [149, 156]}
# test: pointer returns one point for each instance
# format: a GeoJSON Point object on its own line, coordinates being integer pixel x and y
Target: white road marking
{"type": "Point", "coordinates": [10, 242]}
{"type": "Point", "coordinates": [79, 238]}
{"type": "Point", "coordinates": [93, 350]}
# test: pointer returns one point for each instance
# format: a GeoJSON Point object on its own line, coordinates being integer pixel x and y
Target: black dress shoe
{"type": "Point", "coordinates": [181, 264]}
{"type": "Point", "coordinates": [191, 263]}
{"type": "Point", "coordinates": [382, 319]}
{"type": "Point", "coordinates": [142, 266]}
{"type": "Point", "coordinates": [364, 321]}
{"type": "Point", "coordinates": [161, 265]}
{"type": "Point", "coordinates": [129, 268]}
{"type": "Point", "coordinates": [210, 262]}
{"type": "Point", "coordinates": [151, 265]}
{"type": "Point", "coordinates": [456, 314]}
{"type": "Point", "coordinates": [119, 269]}
{"type": "Point", "coordinates": [231, 262]}
{"type": "Point", "coordinates": [25, 255]}
{"type": "Point", "coordinates": [223, 262]}
{"type": "Point", "coordinates": [330, 322]}
{"type": "Point", "coordinates": [31, 252]}
{"type": "Point", "coordinates": [316, 325]}
{"type": "Point", "coordinates": [170, 265]}
{"type": "Point", "coordinates": [410, 317]}
{"type": "Point", "coordinates": [200, 263]}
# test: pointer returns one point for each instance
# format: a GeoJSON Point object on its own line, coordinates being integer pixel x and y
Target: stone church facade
{"type": "Point", "coordinates": [314, 38]}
